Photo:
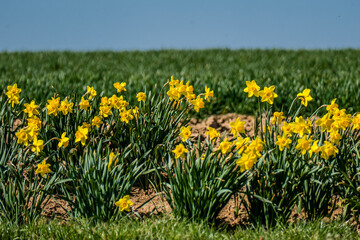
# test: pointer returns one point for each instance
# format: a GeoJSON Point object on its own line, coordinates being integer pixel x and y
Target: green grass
{"type": "Point", "coordinates": [170, 228]}
{"type": "Point", "coordinates": [328, 73]}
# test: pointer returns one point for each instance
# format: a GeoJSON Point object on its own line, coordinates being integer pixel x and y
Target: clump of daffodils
{"type": "Point", "coordinates": [100, 113]}
{"type": "Point", "coordinates": [296, 135]}
{"type": "Point", "coordinates": [179, 91]}
{"type": "Point", "coordinates": [331, 123]}
{"type": "Point", "coordinates": [251, 152]}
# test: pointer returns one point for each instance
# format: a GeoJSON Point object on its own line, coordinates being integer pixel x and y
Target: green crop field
{"type": "Point", "coordinates": [329, 74]}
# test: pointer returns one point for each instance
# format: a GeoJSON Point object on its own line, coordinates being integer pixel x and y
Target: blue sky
{"type": "Point", "coordinates": [144, 25]}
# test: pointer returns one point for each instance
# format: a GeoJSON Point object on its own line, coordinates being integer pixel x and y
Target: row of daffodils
{"type": "Point", "coordinates": [93, 148]}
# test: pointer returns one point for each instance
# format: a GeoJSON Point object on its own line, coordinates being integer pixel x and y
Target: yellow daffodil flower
{"type": "Point", "coordinates": [124, 204]}
{"type": "Point", "coordinates": [283, 142]}
{"type": "Point", "coordinates": [304, 144]}
{"type": "Point", "coordinates": [208, 94]}
{"type": "Point", "coordinates": [43, 168]}
{"type": "Point", "coordinates": [141, 96]}
{"type": "Point", "coordinates": [237, 127]}
{"type": "Point", "coordinates": [97, 121]}
{"type": "Point", "coordinates": [180, 151]}
{"type": "Point", "coordinates": [120, 86]}
{"type": "Point", "coordinates": [185, 133]}
{"type": "Point", "coordinates": [31, 109]}
{"type": "Point", "coordinates": [84, 104]}
{"type": "Point", "coordinates": [63, 141]}
{"type": "Point", "coordinates": [268, 95]}
{"type": "Point", "coordinates": [81, 135]}
{"type": "Point", "coordinates": [252, 88]}
{"type": "Point", "coordinates": [91, 91]}
{"type": "Point", "coordinates": [212, 133]}
{"type": "Point", "coordinates": [225, 146]}
{"type": "Point", "coordinates": [13, 93]}
{"type": "Point", "coordinates": [37, 145]}
{"type": "Point", "coordinates": [198, 103]}
{"type": "Point", "coordinates": [305, 97]}
{"type": "Point", "coordinates": [53, 106]}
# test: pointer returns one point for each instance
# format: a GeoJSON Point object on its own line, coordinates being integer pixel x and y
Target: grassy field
{"type": "Point", "coordinates": [170, 228]}
{"type": "Point", "coordinates": [329, 74]}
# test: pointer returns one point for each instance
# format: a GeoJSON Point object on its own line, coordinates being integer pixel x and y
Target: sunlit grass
{"type": "Point", "coordinates": [172, 228]}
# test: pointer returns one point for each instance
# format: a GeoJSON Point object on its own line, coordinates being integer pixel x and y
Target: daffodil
{"type": "Point", "coordinates": [283, 142]}
{"type": "Point", "coordinates": [120, 86]}
{"type": "Point", "coordinates": [332, 107]}
{"type": "Point", "coordinates": [252, 88]}
{"type": "Point", "coordinates": [180, 151]}
{"type": "Point", "coordinates": [31, 109]}
{"type": "Point", "coordinates": [124, 204]}
{"type": "Point", "coordinates": [91, 91]}
{"type": "Point", "coordinates": [286, 129]}
{"type": "Point", "coordinates": [112, 159]}
{"type": "Point", "coordinates": [247, 161]}
{"type": "Point", "coordinates": [86, 125]}
{"type": "Point", "coordinates": [66, 107]}
{"type": "Point", "coordinates": [241, 144]}
{"type": "Point", "coordinates": [181, 88]}
{"type": "Point", "coordinates": [268, 95]}
{"type": "Point", "coordinates": [141, 96]}
{"type": "Point", "coordinates": [212, 133]}
{"type": "Point", "coordinates": [37, 145]}
{"type": "Point", "coordinates": [97, 121]}
{"type": "Point", "coordinates": [325, 122]}
{"type": "Point", "coordinates": [257, 146]}
{"type": "Point", "coordinates": [328, 150]}
{"type": "Point", "coordinates": [173, 94]}
{"type": "Point", "coordinates": [225, 146]}
{"type": "Point", "coordinates": [277, 118]}
{"type": "Point", "coordinates": [314, 148]}
{"type": "Point", "coordinates": [189, 89]}
{"type": "Point", "coordinates": [208, 94]}
{"type": "Point", "coordinates": [126, 116]}
{"type": "Point", "coordinates": [105, 111]}
{"type": "Point", "coordinates": [105, 101]}
{"type": "Point", "coordinates": [23, 137]}
{"type": "Point", "coordinates": [305, 97]}
{"type": "Point", "coordinates": [335, 137]}
{"type": "Point", "coordinates": [13, 93]}
{"type": "Point", "coordinates": [304, 144]}
{"type": "Point", "coordinates": [237, 127]}
{"type": "Point", "coordinates": [53, 106]}
{"type": "Point", "coordinates": [301, 126]}
{"type": "Point", "coordinates": [43, 168]}
{"type": "Point", "coordinates": [185, 133]}
{"type": "Point", "coordinates": [34, 121]}
{"type": "Point", "coordinates": [33, 131]}
{"type": "Point", "coordinates": [198, 103]}
{"type": "Point", "coordinates": [63, 141]}
{"type": "Point", "coordinates": [356, 121]}
{"type": "Point", "coordinates": [173, 82]}
{"type": "Point", "coordinates": [135, 111]}
{"type": "Point", "coordinates": [341, 120]}
{"type": "Point", "coordinates": [81, 135]}
{"type": "Point", "coordinates": [84, 104]}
